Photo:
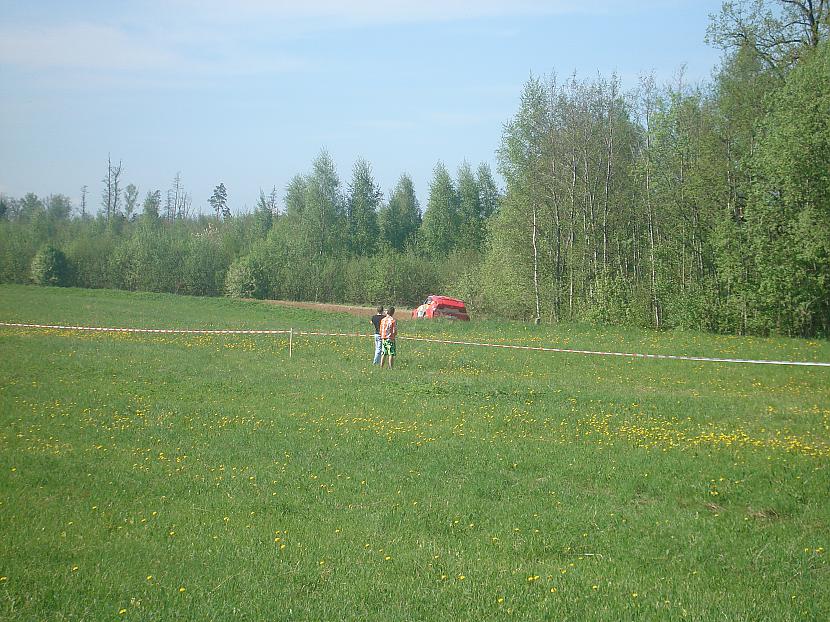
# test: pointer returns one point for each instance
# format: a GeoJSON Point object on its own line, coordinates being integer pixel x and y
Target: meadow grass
{"type": "Point", "coordinates": [204, 477]}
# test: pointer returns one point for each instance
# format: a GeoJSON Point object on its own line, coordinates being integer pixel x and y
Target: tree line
{"type": "Point", "coordinates": [704, 207]}
{"type": "Point", "coordinates": [326, 242]}
{"type": "Point", "coordinates": [691, 206]}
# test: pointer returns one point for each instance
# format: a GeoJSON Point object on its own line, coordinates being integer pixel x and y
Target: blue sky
{"type": "Point", "coordinates": [249, 92]}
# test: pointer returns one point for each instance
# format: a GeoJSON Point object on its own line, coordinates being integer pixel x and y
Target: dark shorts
{"type": "Point", "coordinates": [388, 346]}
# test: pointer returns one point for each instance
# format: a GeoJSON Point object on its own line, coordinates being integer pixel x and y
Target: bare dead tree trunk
{"type": "Point", "coordinates": [173, 208]}
{"type": "Point", "coordinates": [111, 190]}
{"type": "Point", "coordinates": [116, 190]}
{"type": "Point", "coordinates": [108, 188]}
{"type": "Point", "coordinates": [186, 203]}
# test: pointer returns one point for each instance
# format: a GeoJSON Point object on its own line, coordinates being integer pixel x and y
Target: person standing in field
{"type": "Point", "coordinates": [388, 334]}
{"type": "Point", "coordinates": [376, 319]}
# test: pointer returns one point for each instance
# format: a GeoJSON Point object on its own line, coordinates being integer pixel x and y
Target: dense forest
{"type": "Point", "coordinates": [688, 206]}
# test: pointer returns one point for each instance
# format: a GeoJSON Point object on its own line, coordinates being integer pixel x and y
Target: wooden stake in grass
{"type": "Point", "coordinates": [290, 341]}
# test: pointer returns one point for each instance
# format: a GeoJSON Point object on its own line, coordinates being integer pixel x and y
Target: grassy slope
{"type": "Point", "coordinates": [466, 484]}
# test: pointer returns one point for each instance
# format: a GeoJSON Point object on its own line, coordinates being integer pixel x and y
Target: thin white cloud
{"type": "Point", "coordinates": [80, 45]}
{"type": "Point", "coordinates": [197, 39]}
{"type": "Point", "coordinates": [105, 52]}
{"type": "Point", "coordinates": [406, 10]}
{"type": "Point", "coordinates": [373, 12]}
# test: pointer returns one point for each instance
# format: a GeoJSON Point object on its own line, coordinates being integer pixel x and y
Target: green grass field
{"type": "Point", "coordinates": [176, 477]}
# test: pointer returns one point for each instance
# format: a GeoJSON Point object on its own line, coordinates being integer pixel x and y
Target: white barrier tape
{"type": "Point", "coordinates": [182, 331]}
{"type": "Point", "coordinates": [671, 357]}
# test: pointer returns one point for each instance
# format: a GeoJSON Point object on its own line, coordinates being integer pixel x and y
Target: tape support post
{"type": "Point", "coordinates": [292, 332]}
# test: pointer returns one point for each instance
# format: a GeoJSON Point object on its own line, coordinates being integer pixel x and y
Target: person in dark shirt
{"type": "Point", "coordinates": [376, 318]}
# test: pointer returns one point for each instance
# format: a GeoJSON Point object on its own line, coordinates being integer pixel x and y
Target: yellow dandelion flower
{"type": "Point", "coordinates": [500, 599]}
{"type": "Point", "coordinates": [181, 589]}
{"type": "Point", "coordinates": [121, 612]}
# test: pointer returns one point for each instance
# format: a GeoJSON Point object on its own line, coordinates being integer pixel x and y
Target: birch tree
{"type": "Point", "coordinates": [521, 159]}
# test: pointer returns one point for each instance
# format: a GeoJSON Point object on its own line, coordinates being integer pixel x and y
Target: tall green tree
{"type": "Point", "coordinates": [130, 200]}
{"type": "Point", "coordinates": [295, 196]}
{"type": "Point", "coordinates": [779, 32]}
{"type": "Point", "coordinates": [441, 223]}
{"type": "Point", "coordinates": [264, 213]}
{"type": "Point", "coordinates": [219, 201]}
{"type": "Point", "coordinates": [400, 218]}
{"type": "Point", "coordinates": [489, 194]}
{"type": "Point", "coordinates": [292, 228]}
{"type": "Point", "coordinates": [58, 207]}
{"type": "Point", "coordinates": [363, 201]}
{"type": "Point", "coordinates": [29, 207]}
{"type": "Point", "coordinates": [151, 208]}
{"type": "Point", "coordinates": [324, 213]}
{"type": "Point", "coordinates": [524, 162]}
{"type": "Point", "coordinates": [788, 212]}
{"type": "Point", "coordinates": [470, 218]}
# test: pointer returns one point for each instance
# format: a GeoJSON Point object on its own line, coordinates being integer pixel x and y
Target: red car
{"type": "Point", "coordinates": [441, 306]}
